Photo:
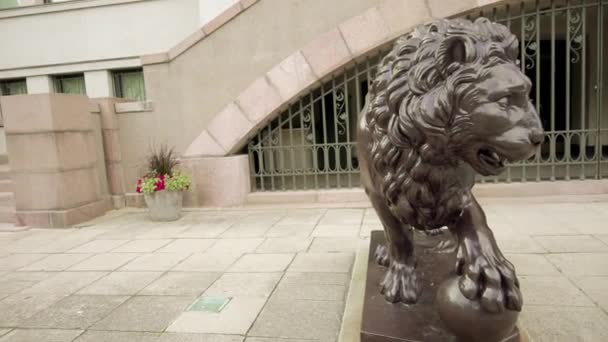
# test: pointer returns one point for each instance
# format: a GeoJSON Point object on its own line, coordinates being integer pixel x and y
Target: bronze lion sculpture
{"type": "Point", "coordinates": [447, 102]}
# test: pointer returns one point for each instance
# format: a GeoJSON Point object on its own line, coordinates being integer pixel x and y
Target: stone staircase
{"type": "Point", "coordinates": [7, 196]}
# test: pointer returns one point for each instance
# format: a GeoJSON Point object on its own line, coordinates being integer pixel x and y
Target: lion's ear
{"type": "Point", "coordinates": [451, 50]}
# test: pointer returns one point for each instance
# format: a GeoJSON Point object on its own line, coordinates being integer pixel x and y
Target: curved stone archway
{"type": "Point", "coordinates": [233, 126]}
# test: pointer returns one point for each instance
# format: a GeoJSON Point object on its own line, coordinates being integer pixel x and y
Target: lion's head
{"type": "Point", "coordinates": [449, 92]}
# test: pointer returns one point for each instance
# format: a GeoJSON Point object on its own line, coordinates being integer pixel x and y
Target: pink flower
{"type": "Point", "coordinates": [138, 187]}
{"type": "Point", "coordinates": [160, 183]}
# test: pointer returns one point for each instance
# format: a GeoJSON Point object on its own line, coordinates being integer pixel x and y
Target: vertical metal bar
{"type": "Point", "coordinates": [567, 136]}
{"type": "Point", "coordinates": [583, 138]}
{"type": "Point", "coordinates": [291, 150]}
{"type": "Point", "coordinates": [552, 141]}
{"type": "Point", "coordinates": [252, 173]}
{"type": "Point", "coordinates": [314, 152]}
{"type": "Point", "coordinates": [337, 141]}
{"type": "Point", "coordinates": [262, 165]}
{"type": "Point", "coordinates": [325, 150]}
{"type": "Point", "coordinates": [271, 156]}
{"type": "Point", "coordinates": [281, 161]}
{"type": "Point", "coordinates": [301, 112]}
{"type": "Point", "coordinates": [348, 142]}
{"type": "Point", "coordinates": [538, 83]}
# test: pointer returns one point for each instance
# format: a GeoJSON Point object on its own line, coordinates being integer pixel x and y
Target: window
{"type": "Point", "coordinates": [13, 87]}
{"type": "Point", "coordinates": [70, 84]}
{"type": "Point", "coordinates": [8, 4]}
{"type": "Point", "coordinates": [129, 84]}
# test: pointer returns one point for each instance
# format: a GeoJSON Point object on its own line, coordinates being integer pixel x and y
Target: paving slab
{"type": "Point", "coordinates": [40, 335]}
{"type": "Point", "coordinates": [262, 263]}
{"type": "Point", "coordinates": [98, 246]}
{"type": "Point", "coordinates": [290, 230]}
{"type": "Point", "coordinates": [15, 261]}
{"type": "Point", "coordinates": [322, 262]}
{"type": "Point", "coordinates": [155, 262]}
{"type": "Point", "coordinates": [565, 324]}
{"type": "Point", "coordinates": [336, 231]}
{"type": "Point", "coordinates": [121, 283]}
{"type": "Point", "coordinates": [236, 318]}
{"type": "Point", "coordinates": [12, 282]}
{"type": "Point", "coordinates": [569, 244]}
{"type": "Point", "coordinates": [57, 262]}
{"type": "Point", "coordinates": [17, 308]}
{"type": "Point", "coordinates": [244, 285]}
{"type": "Point", "coordinates": [144, 313]}
{"type": "Point", "coordinates": [65, 282]}
{"type": "Point", "coordinates": [342, 217]}
{"type": "Point", "coordinates": [207, 262]}
{"type": "Point", "coordinates": [235, 246]}
{"type": "Point", "coordinates": [74, 312]}
{"type": "Point", "coordinates": [284, 245]}
{"type": "Point", "coordinates": [596, 288]}
{"type": "Point", "coordinates": [4, 331]}
{"type": "Point", "coordinates": [117, 336]}
{"type": "Point", "coordinates": [187, 246]}
{"type": "Point", "coordinates": [104, 262]}
{"type": "Point", "coordinates": [581, 264]}
{"type": "Point", "coordinates": [552, 290]}
{"type": "Point", "coordinates": [304, 319]}
{"type": "Point", "coordinates": [142, 246]}
{"type": "Point", "coordinates": [181, 284]}
{"type": "Point", "coordinates": [335, 244]}
{"type": "Point", "coordinates": [532, 264]}
{"type": "Point", "coordinates": [189, 337]}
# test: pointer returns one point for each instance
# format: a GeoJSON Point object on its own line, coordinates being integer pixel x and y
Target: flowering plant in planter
{"type": "Point", "coordinates": [162, 185]}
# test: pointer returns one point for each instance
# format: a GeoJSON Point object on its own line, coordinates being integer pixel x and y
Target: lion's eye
{"type": "Point", "coordinates": [503, 101]}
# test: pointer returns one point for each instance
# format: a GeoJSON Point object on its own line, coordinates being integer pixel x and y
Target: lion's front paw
{"type": "Point", "coordinates": [401, 284]}
{"type": "Point", "coordinates": [382, 255]}
{"type": "Point", "coordinates": [490, 278]}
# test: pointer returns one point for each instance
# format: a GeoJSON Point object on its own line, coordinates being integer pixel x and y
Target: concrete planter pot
{"type": "Point", "coordinates": [164, 205]}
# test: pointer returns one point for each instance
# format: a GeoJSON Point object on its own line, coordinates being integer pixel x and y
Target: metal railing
{"type": "Point", "coordinates": [311, 145]}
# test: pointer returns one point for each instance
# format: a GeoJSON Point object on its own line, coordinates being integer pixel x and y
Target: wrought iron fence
{"type": "Point", "coordinates": [311, 145]}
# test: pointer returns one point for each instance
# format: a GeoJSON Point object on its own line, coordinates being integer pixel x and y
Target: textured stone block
{"type": "Point", "coordinates": [46, 112]}
{"type": "Point", "coordinates": [218, 181]}
{"type": "Point", "coordinates": [51, 151]}
{"type": "Point", "coordinates": [259, 100]}
{"type": "Point", "coordinates": [365, 32]}
{"type": "Point", "coordinates": [292, 76]}
{"type": "Point", "coordinates": [327, 52]}
{"type": "Point", "coordinates": [444, 9]}
{"type": "Point", "coordinates": [111, 145]}
{"type": "Point", "coordinates": [229, 126]}
{"type": "Point", "coordinates": [204, 145]}
{"type": "Point", "coordinates": [402, 16]}
{"type": "Point", "coordinates": [63, 190]}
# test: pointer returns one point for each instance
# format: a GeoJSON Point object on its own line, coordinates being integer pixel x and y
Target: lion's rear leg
{"type": "Point", "coordinates": [400, 282]}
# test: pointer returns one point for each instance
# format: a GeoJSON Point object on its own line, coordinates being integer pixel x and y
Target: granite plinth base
{"type": "Point", "coordinates": [386, 322]}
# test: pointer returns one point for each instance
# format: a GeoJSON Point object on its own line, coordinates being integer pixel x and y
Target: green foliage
{"type": "Point", "coordinates": [148, 185]}
{"type": "Point", "coordinates": [162, 161]}
{"type": "Point", "coordinates": [177, 182]}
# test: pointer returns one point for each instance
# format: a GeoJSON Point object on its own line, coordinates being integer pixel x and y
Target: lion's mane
{"type": "Point", "coordinates": [414, 145]}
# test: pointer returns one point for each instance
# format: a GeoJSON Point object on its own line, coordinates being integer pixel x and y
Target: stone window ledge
{"type": "Point", "coordinates": [133, 107]}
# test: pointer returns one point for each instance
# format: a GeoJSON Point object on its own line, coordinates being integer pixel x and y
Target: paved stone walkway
{"type": "Point", "coordinates": [285, 272]}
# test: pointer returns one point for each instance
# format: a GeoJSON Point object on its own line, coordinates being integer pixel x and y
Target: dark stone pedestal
{"type": "Point", "coordinates": [386, 322]}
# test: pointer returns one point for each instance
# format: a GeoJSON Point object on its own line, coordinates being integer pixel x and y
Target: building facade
{"type": "Point", "coordinates": [261, 98]}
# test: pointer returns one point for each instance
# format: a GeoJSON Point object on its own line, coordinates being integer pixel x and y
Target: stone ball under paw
{"type": "Point", "coordinates": [467, 320]}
